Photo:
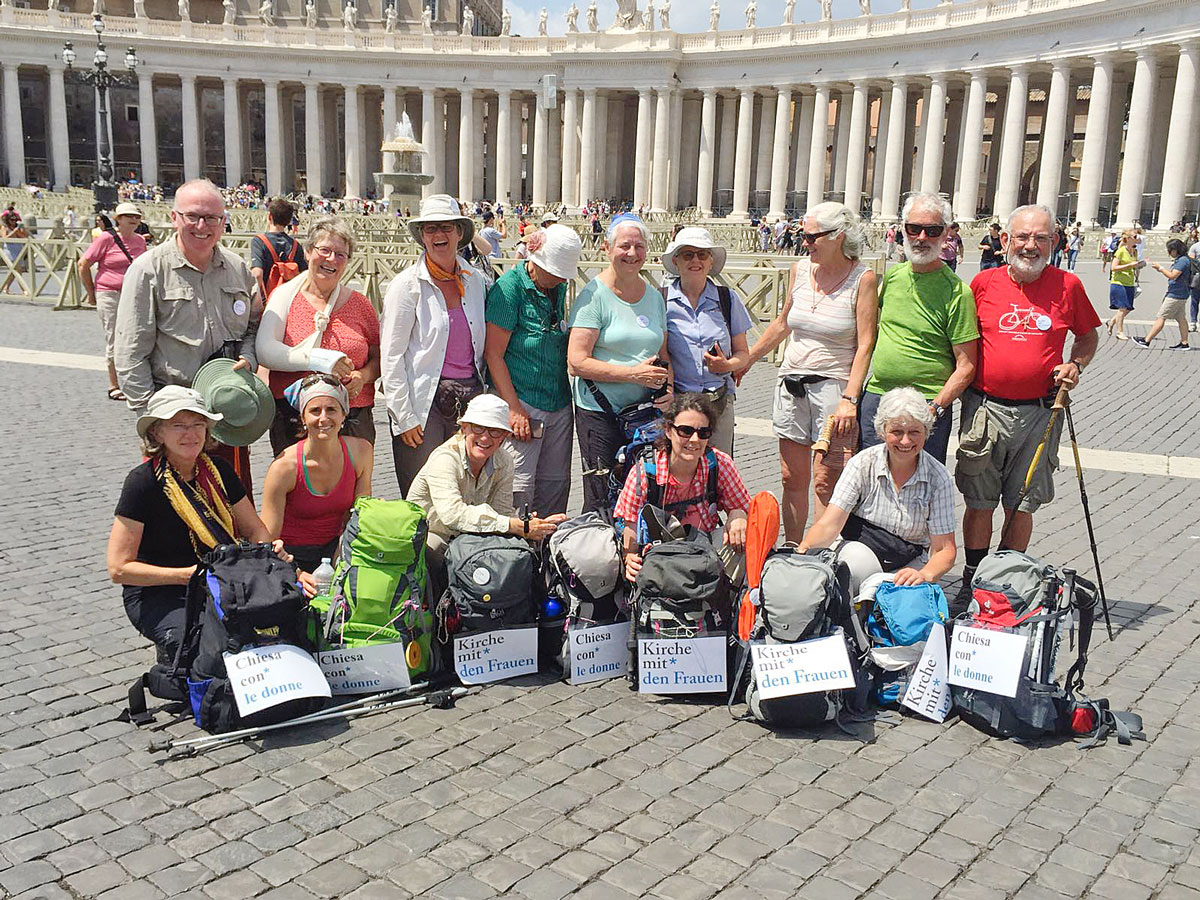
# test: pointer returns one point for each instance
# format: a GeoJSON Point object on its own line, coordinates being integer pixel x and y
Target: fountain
{"type": "Point", "coordinates": [403, 170]}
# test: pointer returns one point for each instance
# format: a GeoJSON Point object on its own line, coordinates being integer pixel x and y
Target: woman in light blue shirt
{"type": "Point", "coordinates": [617, 353]}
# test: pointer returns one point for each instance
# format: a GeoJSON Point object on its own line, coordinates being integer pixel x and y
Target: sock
{"type": "Point", "coordinates": [974, 557]}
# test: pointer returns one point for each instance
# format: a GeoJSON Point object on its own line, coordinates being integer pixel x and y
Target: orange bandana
{"type": "Point", "coordinates": [457, 275]}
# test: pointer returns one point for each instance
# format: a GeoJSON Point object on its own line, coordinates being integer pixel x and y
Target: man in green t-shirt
{"type": "Point", "coordinates": [928, 329]}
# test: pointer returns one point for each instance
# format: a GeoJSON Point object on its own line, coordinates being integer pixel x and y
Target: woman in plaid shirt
{"type": "Point", "coordinates": [681, 473]}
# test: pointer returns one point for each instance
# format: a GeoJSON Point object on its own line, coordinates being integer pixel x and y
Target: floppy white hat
{"type": "Point", "coordinates": [559, 253]}
{"type": "Point", "coordinates": [441, 208]}
{"type": "Point", "coordinates": [700, 239]}
{"type": "Point", "coordinates": [168, 401]}
{"type": "Point", "coordinates": [549, 217]}
{"type": "Point", "coordinates": [487, 411]}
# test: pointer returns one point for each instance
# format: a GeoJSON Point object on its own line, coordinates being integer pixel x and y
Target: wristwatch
{"type": "Point", "coordinates": [1078, 364]}
{"type": "Point", "coordinates": [938, 410]}
{"type": "Point", "coordinates": [853, 401]}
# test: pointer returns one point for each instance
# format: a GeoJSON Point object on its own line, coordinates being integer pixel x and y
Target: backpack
{"type": "Point", "coordinates": [654, 490]}
{"type": "Point", "coordinates": [1014, 591]}
{"type": "Point", "coordinates": [491, 585]}
{"type": "Point", "coordinates": [1194, 284]}
{"type": "Point", "coordinates": [583, 571]}
{"type": "Point", "coordinates": [896, 623]}
{"type": "Point", "coordinates": [281, 269]}
{"type": "Point", "coordinates": [801, 596]}
{"type": "Point", "coordinates": [379, 589]}
{"type": "Point", "coordinates": [242, 596]}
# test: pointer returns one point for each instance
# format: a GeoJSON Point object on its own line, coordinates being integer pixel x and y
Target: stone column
{"type": "Point", "coordinates": [1181, 151]}
{"type": "Point", "coordinates": [1137, 140]}
{"type": "Point", "coordinates": [274, 147]}
{"type": "Point", "coordinates": [540, 158]}
{"type": "Point", "coordinates": [741, 164]}
{"type": "Point", "coordinates": [817, 143]}
{"type": "Point", "coordinates": [570, 148]}
{"type": "Point", "coordinates": [641, 173]}
{"type": "Point", "coordinates": [675, 154]}
{"type": "Point", "coordinates": [728, 139]}
{"type": "Point", "coordinates": [779, 154]}
{"type": "Point", "coordinates": [952, 155]}
{"type": "Point", "coordinates": [485, 125]}
{"type": "Point", "coordinates": [935, 127]}
{"type": "Point", "coordinates": [894, 160]}
{"type": "Point", "coordinates": [60, 159]}
{"type": "Point", "coordinates": [841, 144]}
{"type": "Point", "coordinates": [1050, 173]}
{"type": "Point", "coordinates": [233, 132]}
{"type": "Point", "coordinates": [707, 155]}
{"type": "Point", "coordinates": [856, 152]}
{"type": "Point", "coordinates": [353, 148]}
{"type": "Point", "coordinates": [313, 164]}
{"type": "Point", "coordinates": [191, 128]}
{"type": "Point", "coordinates": [554, 155]}
{"type": "Point", "coordinates": [660, 186]}
{"type": "Point", "coordinates": [967, 200]}
{"type": "Point", "coordinates": [806, 105]}
{"type": "Point", "coordinates": [466, 144]}
{"type": "Point", "coordinates": [429, 132]}
{"type": "Point", "coordinates": [605, 163]}
{"type": "Point", "coordinates": [147, 127]}
{"type": "Point", "coordinates": [503, 145]}
{"type": "Point", "coordinates": [882, 137]}
{"type": "Point", "coordinates": [587, 150]}
{"type": "Point", "coordinates": [518, 132]}
{"type": "Point", "coordinates": [14, 128]}
{"type": "Point", "coordinates": [389, 124]}
{"type": "Point", "coordinates": [1012, 153]}
{"type": "Point", "coordinates": [765, 151]}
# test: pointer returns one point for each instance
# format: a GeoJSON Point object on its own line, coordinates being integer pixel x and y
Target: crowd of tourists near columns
{"type": "Point", "coordinates": [492, 395]}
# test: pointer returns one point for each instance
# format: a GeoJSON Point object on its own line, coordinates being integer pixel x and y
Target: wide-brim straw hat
{"type": "Point", "coordinates": [167, 402]}
{"type": "Point", "coordinates": [698, 238]}
{"type": "Point", "coordinates": [441, 208]}
{"type": "Point", "coordinates": [559, 253]}
{"type": "Point", "coordinates": [243, 400]}
{"type": "Point", "coordinates": [127, 209]}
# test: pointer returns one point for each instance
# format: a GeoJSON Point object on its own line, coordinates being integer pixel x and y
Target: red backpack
{"type": "Point", "coordinates": [281, 269]}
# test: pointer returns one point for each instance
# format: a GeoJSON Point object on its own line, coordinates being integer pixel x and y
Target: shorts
{"type": "Point", "coordinates": [800, 419]}
{"type": "Point", "coordinates": [1172, 307]}
{"type": "Point", "coordinates": [1120, 296]}
{"type": "Point", "coordinates": [996, 444]}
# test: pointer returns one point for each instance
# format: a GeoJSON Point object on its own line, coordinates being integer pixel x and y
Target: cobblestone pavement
{"type": "Point", "coordinates": [537, 789]}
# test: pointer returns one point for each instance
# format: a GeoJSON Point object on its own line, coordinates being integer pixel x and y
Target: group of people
{"type": "Point", "coordinates": [488, 389]}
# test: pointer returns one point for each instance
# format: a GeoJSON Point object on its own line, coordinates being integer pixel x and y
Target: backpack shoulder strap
{"type": "Point", "coordinates": [650, 467]}
{"type": "Point", "coordinates": [599, 397]}
{"type": "Point", "coordinates": [295, 249]}
{"type": "Point", "coordinates": [270, 247]}
{"type": "Point", "coordinates": [710, 491]}
{"type": "Point", "coordinates": [725, 297]}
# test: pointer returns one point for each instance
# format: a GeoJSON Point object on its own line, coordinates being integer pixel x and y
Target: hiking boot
{"type": "Point", "coordinates": [958, 605]}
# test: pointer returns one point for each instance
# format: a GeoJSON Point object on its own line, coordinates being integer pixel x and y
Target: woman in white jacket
{"type": "Point", "coordinates": [314, 323]}
{"type": "Point", "coordinates": [432, 337]}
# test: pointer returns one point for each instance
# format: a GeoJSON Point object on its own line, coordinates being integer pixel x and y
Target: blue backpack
{"type": "Point", "coordinates": [897, 625]}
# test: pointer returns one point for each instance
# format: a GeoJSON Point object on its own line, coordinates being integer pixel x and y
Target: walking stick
{"type": "Point", "coordinates": [1060, 403]}
{"type": "Point", "coordinates": [1087, 518]}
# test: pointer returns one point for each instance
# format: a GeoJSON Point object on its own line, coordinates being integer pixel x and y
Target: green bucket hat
{"type": "Point", "coordinates": [242, 399]}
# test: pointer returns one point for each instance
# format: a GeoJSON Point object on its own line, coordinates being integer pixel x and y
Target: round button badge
{"type": "Point", "coordinates": [1043, 323]}
{"type": "Point", "coordinates": [239, 307]}
{"type": "Point", "coordinates": [481, 576]}
{"type": "Point", "coordinates": [643, 321]}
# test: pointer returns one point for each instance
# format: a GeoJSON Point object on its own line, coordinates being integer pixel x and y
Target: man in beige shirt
{"type": "Point", "coordinates": [466, 485]}
{"type": "Point", "coordinates": [184, 302]}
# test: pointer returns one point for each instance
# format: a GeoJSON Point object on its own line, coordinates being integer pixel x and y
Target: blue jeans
{"type": "Point", "coordinates": [1194, 305]}
{"type": "Point", "coordinates": [936, 444]}
{"type": "Point", "coordinates": [1071, 257]}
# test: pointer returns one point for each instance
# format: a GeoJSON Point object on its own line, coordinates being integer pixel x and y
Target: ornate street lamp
{"type": "Point", "coordinates": [100, 77]}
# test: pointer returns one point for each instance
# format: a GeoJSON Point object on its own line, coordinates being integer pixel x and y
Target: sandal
{"type": "Point", "coordinates": [115, 394]}
{"type": "Point", "coordinates": [1110, 323]}
{"type": "Point", "coordinates": [1122, 336]}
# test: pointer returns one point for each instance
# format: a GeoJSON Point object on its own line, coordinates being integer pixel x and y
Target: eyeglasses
{"type": "Point", "coordinates": [810, 237]}
{"type": "Point", "coordinates": [689, 255]}
{"type": "Point", "coordinates": [1030, 238]}
{"type": "Point", "coordinates": [310, 380]}
{"type": "Point", "coordinates": [479, 430]}
{"type": "Point", "coordinates": [703, 432]}
{"type": "Point", "coordinates": [182, 428]}
{"type": "Point", "coordinates": [330, 253]}
{"type": "Point", "coordinates": [914, 229]}
{"type": "Point", "coordinates": [439, 228]}
{"type": "Point", "coordinates": [197, 218]}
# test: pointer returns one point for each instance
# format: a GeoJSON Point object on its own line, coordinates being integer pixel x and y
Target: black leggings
{"type": "Point", "coordinates": [600, 437]}
{"type": "Point", "coordinates": [158, 614]}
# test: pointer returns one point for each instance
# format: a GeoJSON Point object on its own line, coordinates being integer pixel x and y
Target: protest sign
{"type": "Point", "coordinates": [805, 667]}
{"type": "Point", "coordinates": [987, 660]}
{"type": "Point", "coordinates": [686, 666]}
{"type": "Point", "coordinates": [928, 690]}
{"type": "Point", "coordinates": [598, 653]}
{"type": "Point", "coordinates": [365, 670]}
{"type": "Point", "coordinates": [263, 677]}
{"type": "Point", "coordinates": [495, 655]}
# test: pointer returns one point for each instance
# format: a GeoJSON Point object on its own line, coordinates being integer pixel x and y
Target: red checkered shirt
{"type": "Point", "coordinates": [731, 491]}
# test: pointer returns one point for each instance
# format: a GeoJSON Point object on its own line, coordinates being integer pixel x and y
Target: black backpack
{"type": "Point", "coordinates": [491, 585]}
{"type": "Point", "coordinates": [242, 596]}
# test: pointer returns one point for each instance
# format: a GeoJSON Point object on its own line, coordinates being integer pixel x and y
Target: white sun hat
{"type": "Point", "coordinates": [441, 208]}
{"type": "Point", "coordinates": [487, 411]}
{"type": "Point", "coordinates": [559, 252]}
{"type": "Point", "coordinates": [699, 239]}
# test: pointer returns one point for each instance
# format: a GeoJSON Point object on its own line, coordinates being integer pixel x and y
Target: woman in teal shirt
{"type": "Point", "coordinates": [617, 349]}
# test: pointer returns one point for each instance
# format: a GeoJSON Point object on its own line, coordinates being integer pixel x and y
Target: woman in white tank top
{"type": "Point", "coordinates": [829, 317]}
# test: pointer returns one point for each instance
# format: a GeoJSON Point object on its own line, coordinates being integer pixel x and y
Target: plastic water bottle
{"type": "Point", "coordinates": [324, 577]}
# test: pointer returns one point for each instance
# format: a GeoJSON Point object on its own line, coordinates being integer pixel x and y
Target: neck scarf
{"type": "Point", "coordinates": [202, 505]}
{"type": "Point", "coordinates": [455, 275]}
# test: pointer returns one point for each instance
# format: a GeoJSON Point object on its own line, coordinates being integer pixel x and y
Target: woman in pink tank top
{"type": "Point", "coordinates": [830, 318]}
{"type": "Point", "coordinates": [310, 487]}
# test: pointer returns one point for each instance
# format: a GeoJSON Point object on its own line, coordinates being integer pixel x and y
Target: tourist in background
{"type": "Point", "coordinates": [111, 253]}
{"type": "Point", "coordinates": [1122, 290]}
{"type": "Point", "coordinates": [991, 255]}
{"type": "Point", "coordinates": [1074, 245]}
{"type": "Point", "coordinates": [1174, 304]}
{"type": "Point", "coordinates": [830, 317]}
{"type": "Point", "coordinates": [432, 336]}
{"type": "Point", "coordinates": [703, 317]}
{"type": "Point", "coordinates": [275, 246]}
{"type": "Point", "coordinates": [952, 250]}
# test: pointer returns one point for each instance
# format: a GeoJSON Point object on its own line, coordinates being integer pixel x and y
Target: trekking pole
{"type": "Point", "coordinates": [1061, 400]}
{"type": "Point", "coordinates": [1087, 518]}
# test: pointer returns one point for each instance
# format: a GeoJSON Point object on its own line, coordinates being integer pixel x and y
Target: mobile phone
{"type": "Point", "coordinates": [715, 349]}
{"type": "Point", "coordinates": [537, 428]}
{"type": "Point", "coordinates": [659, 361]}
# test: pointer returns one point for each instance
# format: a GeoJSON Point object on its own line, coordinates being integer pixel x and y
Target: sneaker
{"type": "Point", "coordinates": [1180, 347]}
{"type": "Point", "coordinates": [1191, 326]}
{"type": "Point", "coordinates": [1141, 342]}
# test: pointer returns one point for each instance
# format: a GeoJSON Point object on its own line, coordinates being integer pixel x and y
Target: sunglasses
{"type": "Point", "coordinates": [479, 430]}
{"type": "Point", "coordinates": [703, 432]}
{"type": "Point", "coordinates": [689, 255]}
{"type": "Point", "coordinates": [443, 228]}
{"type": "Point", "coordinates": [810, 237]}
{"type": "Point", "coordinates": [310, 380]}
{"type": "Point", "coordinates": [914, 229]}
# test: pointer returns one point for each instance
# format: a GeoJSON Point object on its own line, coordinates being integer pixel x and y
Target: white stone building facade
{"type": "Point", "coordinates": [1090, 106]}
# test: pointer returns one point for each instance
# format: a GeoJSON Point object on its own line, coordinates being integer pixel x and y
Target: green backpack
{"type": "Point", "coordinates": [379, 584]}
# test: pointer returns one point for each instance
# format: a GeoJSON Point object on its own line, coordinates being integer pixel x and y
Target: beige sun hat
{"type": "Point", "coordinates": [441, 208]}
{"type": "Point", "coordinates": [127, 209]}
{"type": "Point", "coordinates": [170, 400]}
{"type": "Point", "coordinates": [559, 253]}
{"type": "Point", "coordinates": [700, 239]}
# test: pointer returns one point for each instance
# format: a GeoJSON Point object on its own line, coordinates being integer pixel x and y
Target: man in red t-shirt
{"type": "Point", "coordinates": [1025, 310]}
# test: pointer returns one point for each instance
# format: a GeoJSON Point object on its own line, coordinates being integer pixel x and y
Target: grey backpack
{"type": "Point", "coordinates": [583, 569]}
{"type": "Point", "coordinates": [491, 584]}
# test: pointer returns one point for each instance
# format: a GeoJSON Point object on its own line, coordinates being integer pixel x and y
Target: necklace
{"type": "Point", "coordinates": [819, 293]}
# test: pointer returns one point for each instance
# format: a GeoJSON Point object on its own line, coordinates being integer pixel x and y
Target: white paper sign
{"type": "Point", "coordinates": [805, 667]}
{"type": "Point", "coordinates": [599, 653]}
{"type": "Point", "coordinates": [987, 660]}
{"type": "Point", "coordinates": [365, 670]}
{"type": "Point", "coordinates": [266, 676]}
{"type": "Point", "coordinates": [495, 655]}
{"type": "Point", "coordinates": [928, 690]}
{"type": "Point", "coordinates": [688, 666]}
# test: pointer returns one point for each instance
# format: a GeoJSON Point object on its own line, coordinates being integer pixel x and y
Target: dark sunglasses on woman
{"type": "Point", "coordinates": [703, 432]}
